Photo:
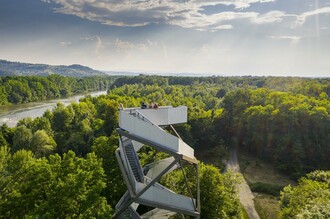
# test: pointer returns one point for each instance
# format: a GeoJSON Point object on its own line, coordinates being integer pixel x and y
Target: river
{"type": "Point", "coordinates": [13, 113]}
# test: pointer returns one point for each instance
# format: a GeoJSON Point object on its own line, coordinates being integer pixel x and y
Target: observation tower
{"type": "Point", "coordinates": [146, 127]}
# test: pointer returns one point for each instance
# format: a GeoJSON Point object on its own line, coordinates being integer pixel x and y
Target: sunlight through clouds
{"type": "Point", "coordinates": [229, 37]}
{"type": "Point", "coordinates": [185, 14]}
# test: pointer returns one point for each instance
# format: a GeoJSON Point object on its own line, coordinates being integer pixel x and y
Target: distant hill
{"type": "Point", "coordinates": [8, 68]}
{"type": "Point", "coordinates": [182, 74]}
{"type": "Point", "coordinates": [122, 73]}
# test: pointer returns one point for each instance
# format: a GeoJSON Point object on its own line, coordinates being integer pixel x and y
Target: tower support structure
{"type": "Point", "coordinates": [145, 127]}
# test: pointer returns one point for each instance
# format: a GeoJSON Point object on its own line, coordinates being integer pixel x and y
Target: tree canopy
{"type": "Point", "coordinates": [57, 187]}
{"type": "Point", "coordinates": [310, 199]}
{"type": "Point", "coordinates": [62, 164]}
{"type": "Point", "coordinates": [24, 89]}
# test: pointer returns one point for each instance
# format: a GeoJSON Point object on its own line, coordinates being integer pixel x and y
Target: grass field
{"type": "Point", "coordinates": [265, 182]}
{"type": "Point", "coordinates": [267, 206]}
{"type": "Point", "coordinates": [255, 170]}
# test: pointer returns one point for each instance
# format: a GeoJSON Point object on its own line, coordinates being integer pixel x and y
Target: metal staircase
{"type": "Point", "coordinates": [139, 127]}
{"type": "Point", "coordinates": [133, 160]}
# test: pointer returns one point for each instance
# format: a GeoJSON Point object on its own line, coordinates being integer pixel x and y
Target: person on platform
{"type": "Point", "coordinates": [121, 106]}
{"type": "Point", "coordinates": [143, 105]}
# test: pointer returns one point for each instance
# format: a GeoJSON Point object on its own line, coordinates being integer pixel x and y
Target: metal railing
{"type": "Point", "coordinates": [136, 113]}
{"type": "Point", "coordinates": [136, 191]}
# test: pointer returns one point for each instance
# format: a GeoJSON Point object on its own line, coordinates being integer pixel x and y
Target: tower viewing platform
{"type": "Point", "coordinates": [146, 127]}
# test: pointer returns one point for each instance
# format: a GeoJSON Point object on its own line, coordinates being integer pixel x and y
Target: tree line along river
{"type": "Point", "coordinates": [13, 113]}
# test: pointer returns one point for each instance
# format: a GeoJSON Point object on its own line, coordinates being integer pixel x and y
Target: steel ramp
{"type": "Point", "coordinates": [139, 127]}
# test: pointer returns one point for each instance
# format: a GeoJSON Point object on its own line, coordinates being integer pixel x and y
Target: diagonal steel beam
{"type": "Point", "coordinates": [156, 179]}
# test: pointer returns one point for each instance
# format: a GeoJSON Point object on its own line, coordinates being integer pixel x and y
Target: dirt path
{"type": "Point", "coordinates": [245, 193]}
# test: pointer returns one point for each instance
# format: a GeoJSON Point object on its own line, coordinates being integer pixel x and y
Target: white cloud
{"type": "Point", "coordinates": [301, 19]}
{"type": "Point", "coordinates": [98, 44]}
{"type": "Point", "coordinates": [183, 13]}
{"type": "Point", "coordinates": [87, 38]}
{"type": "Point", "coordinates": [64, 44]}
{"type": "Point", "coordinates": [123, 46]}
{"type": "Point", "coordinates": [246, 3]}
{"type": "Point", "coordinates": [270, 17]}
{"type": "Point", "coordinates": [292, 39]}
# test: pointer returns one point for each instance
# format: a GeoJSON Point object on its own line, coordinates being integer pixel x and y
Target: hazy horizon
{"type": "Point", "coordinates": [220, 37]}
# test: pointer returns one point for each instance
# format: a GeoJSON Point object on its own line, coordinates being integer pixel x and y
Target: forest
{"type": "Point", "coordinates": [24, 89]}
{"type": "Point", "coordinates": [63, 165]}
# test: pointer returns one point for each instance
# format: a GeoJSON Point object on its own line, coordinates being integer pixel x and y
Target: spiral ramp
{"type": "Point", "coordinates": [141, 127]}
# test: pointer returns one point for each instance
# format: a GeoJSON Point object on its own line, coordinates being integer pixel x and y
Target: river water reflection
{"type": "Point", "coordinates": [12, 114]}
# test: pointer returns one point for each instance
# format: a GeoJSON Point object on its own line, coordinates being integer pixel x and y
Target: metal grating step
{"type": "Point", "coordinates": [133, 161]}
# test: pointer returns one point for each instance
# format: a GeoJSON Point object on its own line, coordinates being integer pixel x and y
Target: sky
{"type": "Point", "coordinates": [220, 37]}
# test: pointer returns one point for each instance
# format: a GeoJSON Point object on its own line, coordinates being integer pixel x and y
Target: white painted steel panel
{"type": "Point", "coordinates": [124, 120]}
{"type": "Point", "coordinates": [153, 132]}
{"type": "Point", "coordinates": [148, 131]}
{"type": "Point", "coordinates": [158, 214]}
{"type": "Point", "coordinates": [157, 116]}
{"type": "Point", "coordinates": [165, 199]}
{"type": "Point", "coordinates": [185, 149]}
{"type": "Point", "coordinates": [177, 115]}
{"type": "Point", "coordinates": [159, 166]}
{"type": "Point", "coordinates": [137, 145]}
{"type": "Point", "coordinates": [166, 115]}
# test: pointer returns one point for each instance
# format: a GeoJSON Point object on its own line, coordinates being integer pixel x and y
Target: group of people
{"type": "Point", "coordinates": [151, 105]}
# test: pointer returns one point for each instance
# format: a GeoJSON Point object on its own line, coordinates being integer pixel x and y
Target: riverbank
{"type": "Point", "coordinates": [11, 114]}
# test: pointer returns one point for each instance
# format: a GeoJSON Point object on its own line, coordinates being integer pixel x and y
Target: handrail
{"type": "Point", "coordinates": [130, 172]}
{"type": "Point", "coordinates": [144, 118]}
{"type": "Point", "coordinates": [123, 199]}
{"type": "Point", "coordinates": [138, 125]}
{"type": "Point", "coordinates": [177, 134]}
{"type": "Point", "coordinates": [157, 185]}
